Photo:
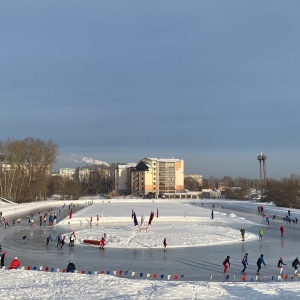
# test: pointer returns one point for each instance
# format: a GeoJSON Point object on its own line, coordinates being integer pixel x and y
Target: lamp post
{"type": "Point", "coordinates": [1, 161]}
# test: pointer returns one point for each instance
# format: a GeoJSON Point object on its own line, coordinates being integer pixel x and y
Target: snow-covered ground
{"type": "Point", "coordinates": [182, 223]}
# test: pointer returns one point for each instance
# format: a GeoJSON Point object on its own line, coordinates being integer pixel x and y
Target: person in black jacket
{"type": "Point", "coordinates": [295, 265]}
{"type": "Point", "coordinates": [280, 263]}
{"type": "Point", "coordinates": [71, 267]}
{"type": "Point", "coordinates": [2, 259]}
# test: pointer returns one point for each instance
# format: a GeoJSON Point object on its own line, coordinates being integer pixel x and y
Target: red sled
{"type": "Point", "coordinates": [91, 242]}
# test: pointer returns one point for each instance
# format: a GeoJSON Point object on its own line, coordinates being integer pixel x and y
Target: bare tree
{"type": "Point", "coordinates": [28, 165]}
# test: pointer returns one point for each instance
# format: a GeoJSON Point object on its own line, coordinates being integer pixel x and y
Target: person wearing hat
{"type": "Point", "coordinates": [15, 264]}
{"type": "Point", "coordinates": [71, 267]}
{"type": "Point", "coordinates": [2, 259]}
{"type": "Point", "coordinates": [280, 263]}
{"type": "Point", "coordinates": [295, 265]}
{"type": "Point", "coordinates": [260, 261]}
{"type": "Point", "coordinates": [245, 262]}
{"type": "Point", "coordinates": [226, 264]}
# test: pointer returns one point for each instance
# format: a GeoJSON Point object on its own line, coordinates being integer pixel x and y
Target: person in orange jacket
{"type": "Point", "coordinates": [15, 264]}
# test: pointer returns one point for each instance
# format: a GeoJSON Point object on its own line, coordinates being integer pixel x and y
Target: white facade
{"type": "Point", "coordinates": [122, 178]}
{"type": "Point", "coordinates": [67, 172]}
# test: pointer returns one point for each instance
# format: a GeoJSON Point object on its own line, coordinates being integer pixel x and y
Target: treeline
{"type": "Point", "coordinates": [99, 180]}
{"type": "Point", "coordinates": [25, 168]}
{"type": "Point", "coordinates": [283, 192]}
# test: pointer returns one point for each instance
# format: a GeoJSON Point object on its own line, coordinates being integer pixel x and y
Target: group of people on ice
{"type": "Point", "coordinates": [61, 240]}
{"type": "Point", "coordinates": [260, 262]}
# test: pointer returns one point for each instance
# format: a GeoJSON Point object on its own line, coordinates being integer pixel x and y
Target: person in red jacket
{"type": "Point", "coordinates": [226, 263]}
{"type": "Point", "coordinates": [281, 230]}
{"type": "Point", "coordinates": [15, 264]}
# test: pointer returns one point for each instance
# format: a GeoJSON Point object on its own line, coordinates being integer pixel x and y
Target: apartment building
{"type": "Point", "coordinates": [122, 178]}
{"type": "Point", "coordinates": [157, 176]}
{"type": "Point", "coordinates": [67, 172]}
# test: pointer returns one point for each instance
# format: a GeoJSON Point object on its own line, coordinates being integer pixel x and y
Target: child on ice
{"type": "Point", "coordinates": [226, 264]}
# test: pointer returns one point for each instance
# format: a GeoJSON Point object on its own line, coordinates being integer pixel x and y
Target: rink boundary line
{"type": "Point", "coordinates": [174, 277]}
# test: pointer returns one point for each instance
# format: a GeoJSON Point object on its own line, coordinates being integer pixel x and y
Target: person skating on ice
{"type": "Point", "coordinates": [281, 230]}
{"type": "Point", "coordinates": [226, 263]}
{"type": "Point", "coordinates": [72, 239]}
{"type": "Point", "coordinates": [260, 233]}
{"type": "Point", "coordinates": [243, 233]}
{"type": "Point", "coordinates": [260, 261]}
{"type": "Point", "coordinates": [102, 242]}
{"type": "Point", "coordinates": [165, 244]}
{"type": "Point", "coordinates": [295, 265]}
{"type": "Point", "coordinates": [49, 238]}
{"type": "Point", "coordinates": [245, 262]}
{"type": "Point", "coordinates": [280, 265]}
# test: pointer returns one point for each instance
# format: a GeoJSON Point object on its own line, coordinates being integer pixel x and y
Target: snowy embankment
{"type": "Point", "coordinates": [20, 284]}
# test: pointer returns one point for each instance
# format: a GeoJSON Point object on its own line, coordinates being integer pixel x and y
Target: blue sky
{"type": "Point", "coordinates": [213, 82]}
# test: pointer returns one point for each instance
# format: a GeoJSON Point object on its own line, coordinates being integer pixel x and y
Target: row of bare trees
{"type": "Point", "coordinates": [283, 192]}
{"type": "Point", "coordinates": [98, 180]}
{"type": "Point", "coordinates": [25, 168]}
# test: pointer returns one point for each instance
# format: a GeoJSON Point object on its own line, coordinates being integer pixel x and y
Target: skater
{"type": "Point", "coordinates": [296, 220]}
{"type": "Point", "coordinates": [281, 230]}
{"type": "Point", "coordinates": [289, 213]}
{"type": "Point", "coordinates": [102, 242]}
{"type": "Point", "coordinates": [295, 265]}
{"type": "Point", "coordinates": [58, 238]}
{"type": "Point", "coordinates": [261, 232]}
{"type": "Point", "coordinates": [2, 259]}
{"type": "Point", "coordinates": [6, 224]}
{"type": "Point", "coordinates": [165, 244]}
{"type": "Point", "coordinates": [260, 261]}
{"type": "Point", "coordinates": [97, 218]}
{"type": "Point", "coordinates": [24, 239]}
{"type": "Point", "coordinates": [15, 264]}
{"type": "Point", "coordinates": [62, 242]}
{"type": "Point", "coordinates": [54, 218]}
{"type": "Point", "coordinates": [71, 267]}
{"type": "Point", "coordinates": [280, 263]}
{"type": "Point", "coordinates": [72, 239]}
{"type": "Point", "coordinates": [226, 264]}
{"type": "Point", "coordinates": [243, 233]}
{"type": "Point", "coordinates": [0, 249]}
{"type": "Point", "coordinates": [212, 213]}
{"type": "Point", "coordinates": [49, 238]}
{"type": "Point", "coordinates": [245, 262]}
